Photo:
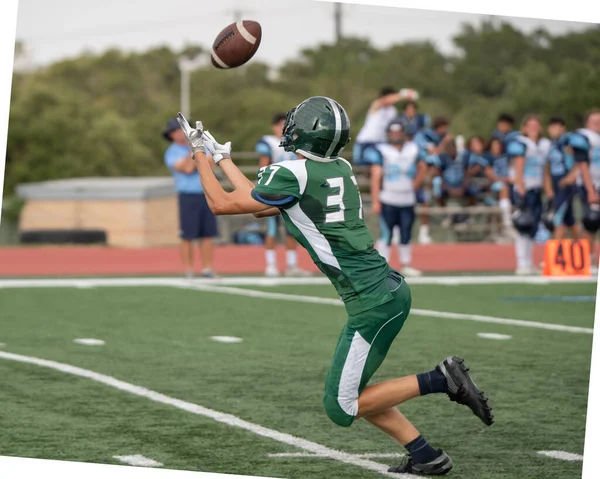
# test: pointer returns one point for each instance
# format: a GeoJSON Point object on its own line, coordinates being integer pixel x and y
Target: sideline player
{"type": "Point", "coordinates": [432, 141]}
{"type": "Point", "coordinates": [270, 153]}
{"type": "Point", "coordinates": [528, 154]}
{"type": "Point", "coordinates": [590, 173]}
{"type": "Point", "coordinates": [381, 112]}
{"type": "Point", "coordinates": [563, 169]}
{"type": "Point", "coordinates": [397, 172]}
{"type": "Point", "coordinates": [320, 202]}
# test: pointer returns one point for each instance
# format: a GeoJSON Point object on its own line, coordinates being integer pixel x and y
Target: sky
{"type": "Point", "coordinates": [57, 29]}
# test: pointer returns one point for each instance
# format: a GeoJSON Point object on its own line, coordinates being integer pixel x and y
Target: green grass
{"type": "Point", "coordinates": [159, 338]}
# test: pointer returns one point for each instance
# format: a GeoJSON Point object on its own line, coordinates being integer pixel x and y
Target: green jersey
{"type": "Point", "coordinates": [321, 205]}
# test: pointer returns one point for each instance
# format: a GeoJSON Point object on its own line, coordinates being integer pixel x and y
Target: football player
{"type": "Point", "coordinates": [563, 159]}
{"type": "Point", "coordinates": [381, 112]}
{"type": "Point", "coordinates": [319, 200]}
{"type": "Point", "coordinates": [397, 172]}
{"type": "Point", "coordinates": [497, 171]}
{"type": "Point", "coordinates": [412, 120]}
{"type": "Point", "coordinates": [528, 154]}
{"type": "Point", "coordinates": [590, 174]}
{"type": "Point", "coordinates": [269, 152]}
{"type": "Point", "coordinates": [432, 141]}
{"type": "Point", "coordinates": [505, 124]}
{"type": "Point", "coordinates": [476, 162]}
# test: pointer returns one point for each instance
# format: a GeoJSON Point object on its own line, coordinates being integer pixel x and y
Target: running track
{"type": "Point", "coordinates": [98, 261]}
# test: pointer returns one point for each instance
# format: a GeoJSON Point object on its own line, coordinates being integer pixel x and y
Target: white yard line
{"type": "Point", "coordinates": [261, 281]}
{"type": "Point", "coordinates": [366, 456]}
{"type": "Point", "coordinates": [221, 417]}
{"type": "Point", "coordinates": [562, 455]}
{"type": "Point", "coordinates": [415, 312]}
{"type": "Point", "coordinates": [138, 460]}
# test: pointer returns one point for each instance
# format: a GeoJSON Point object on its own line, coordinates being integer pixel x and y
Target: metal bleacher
{"type": "Point", "coordinates": [480, 223]}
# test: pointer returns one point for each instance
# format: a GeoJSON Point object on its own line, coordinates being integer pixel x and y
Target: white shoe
{"type": "Point", "coordinates": [410, 271]}
{"type": "Point", "coordinates": [529, 271]}
{"type": "Point", "coordinates": [208, 273]}
{"type": "Point", "coordinates": [425, 239]}
{"type": "Point", "coordinates": [271, 271]}
{"type": "Point", "coordinates": [297, 272]}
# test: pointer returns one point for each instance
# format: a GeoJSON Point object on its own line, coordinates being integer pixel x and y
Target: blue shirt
{"type": "Point", "coordinates": [414, 125]}
{"type": "Point", "coordinates": [184, 182]}
{"type": "Point", "coordinates": [562, 161]}
{"type": "Point", "coordinates": [453, 170]}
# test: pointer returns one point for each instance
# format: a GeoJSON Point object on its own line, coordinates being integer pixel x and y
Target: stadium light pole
{"type": "Point", "coordinates": [186, 67]}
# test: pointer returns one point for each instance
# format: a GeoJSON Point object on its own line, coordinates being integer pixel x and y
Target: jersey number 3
{"type": "Point", "coordinates": [338, 200]}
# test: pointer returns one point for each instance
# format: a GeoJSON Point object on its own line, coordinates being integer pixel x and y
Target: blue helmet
{"type": "Point", "coordinates": [548, 216]}
{"type": "Point", "coordinates": [523, 220]}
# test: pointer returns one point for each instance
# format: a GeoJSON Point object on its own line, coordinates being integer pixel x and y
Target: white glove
{"type": "Point", "coordinates": [218, 151]}
{"type": "Point", "coordinates": [195, 136]}
{"type": "Point", "coordinates": [409, 94]}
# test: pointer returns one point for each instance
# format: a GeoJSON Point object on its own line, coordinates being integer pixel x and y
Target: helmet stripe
{"type": "Point", "coordinates": [338, 127]}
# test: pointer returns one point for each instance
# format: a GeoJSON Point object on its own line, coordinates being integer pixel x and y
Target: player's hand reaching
{"type": "Point", "coordinates": [194, 135]}
{"type": "Point", "coordinates": [218, 151]}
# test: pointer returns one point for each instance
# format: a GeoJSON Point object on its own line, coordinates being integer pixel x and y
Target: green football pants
{"type": "Point", "coordinates": [361, 348]}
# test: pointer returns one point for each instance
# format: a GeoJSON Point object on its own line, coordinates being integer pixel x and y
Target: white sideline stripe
{"type": "Point", "coordinates": [416, 312]}
{"type": "Point", "coordinates": [563, 455]}
{"type": "Point", "coordinates": [138, 460]}
{"type": "Point", "coordinates": [365, 456]}
{"type": "Point", "coordinates": [221, 417]}
{"type": "Point", "coordinates": [245, 33]}
{"type": "Point", "coordinates": [261, 281]}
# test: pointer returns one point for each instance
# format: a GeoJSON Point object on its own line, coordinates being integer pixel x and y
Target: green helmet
{"type": "Point", "coordinates": [318, 128]}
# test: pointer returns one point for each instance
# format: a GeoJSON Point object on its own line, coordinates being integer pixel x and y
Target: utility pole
{"type": "Point", "coordinates": [186, 67]}
{"type": "Point", "coordinates": [238, 14]}
{"type": "Point", "coordinates": [338, 21]}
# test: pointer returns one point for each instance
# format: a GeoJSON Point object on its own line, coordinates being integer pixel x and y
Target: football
{"type": "Point", "coordinates": [236, 44]}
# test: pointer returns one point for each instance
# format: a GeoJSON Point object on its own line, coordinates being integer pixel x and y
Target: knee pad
{"type": "Point", "coordinates": [497, 186]}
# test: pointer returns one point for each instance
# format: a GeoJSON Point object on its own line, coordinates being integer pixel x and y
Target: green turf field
{"type": "Point", "coordinates": [160, 338]}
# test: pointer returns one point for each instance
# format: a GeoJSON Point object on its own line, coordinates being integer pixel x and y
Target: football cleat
{"type": "Point", "coordinates": [410, 271]}
{"type": "Point", "coordinates": [271, 271]}
{"type": "Point", "coordinates": [297, 272]}
{"type": "Point", "coordinates": [438, 467]}
{"type": "Point", "coordinates": [463, 390]}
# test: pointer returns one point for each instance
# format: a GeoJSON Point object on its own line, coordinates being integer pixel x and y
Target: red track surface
{"type": "Point", "coordinates": [95, 261]}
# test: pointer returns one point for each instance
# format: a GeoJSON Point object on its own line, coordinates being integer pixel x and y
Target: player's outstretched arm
{"type": "Point", "coordinates": [219, 201]}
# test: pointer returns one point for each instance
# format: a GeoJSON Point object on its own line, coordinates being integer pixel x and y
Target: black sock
{"type": "Point", "coordinates": [431, 382]}
{"type": "Point", "coordinates": [420, 450]}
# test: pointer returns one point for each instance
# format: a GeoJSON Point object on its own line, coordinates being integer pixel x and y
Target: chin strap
{"type": "Point", "coordinates": [312, 156]}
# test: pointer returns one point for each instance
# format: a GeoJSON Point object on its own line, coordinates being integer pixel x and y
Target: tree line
{"type": "Point", "coordinates": [102, 115]}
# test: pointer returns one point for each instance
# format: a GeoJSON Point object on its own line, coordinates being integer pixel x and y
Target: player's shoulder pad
{"type": "Point", "coordinates": [579, 141]}
{"type": "Point", "coordinates": [263, 148]}
{"type": "Point", "coordinates": [373, 155]}
{"type": "Point", "coordinates": [516, 148]}
{"type": "Point", "coordinates": [411, 148]}
{"type": "Point", "coordinates": [287, 178]}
